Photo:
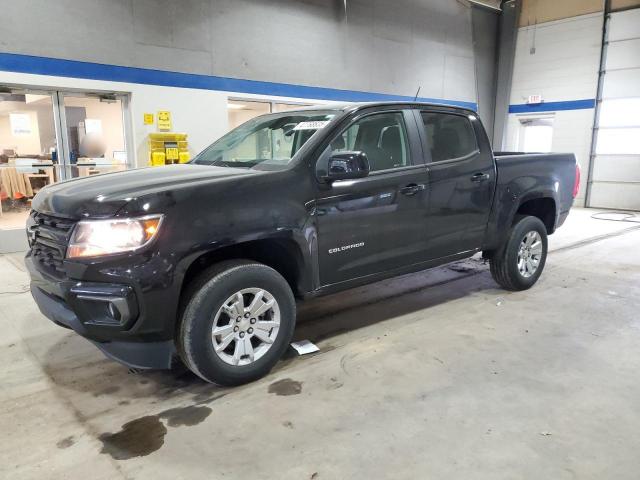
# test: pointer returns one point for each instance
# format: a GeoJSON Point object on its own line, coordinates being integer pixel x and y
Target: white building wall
{"type": "Point", "coordinates": [559, 60]}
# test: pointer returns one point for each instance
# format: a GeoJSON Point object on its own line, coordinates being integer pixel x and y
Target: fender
{"type": "Point", "coordinates": [298, 245]}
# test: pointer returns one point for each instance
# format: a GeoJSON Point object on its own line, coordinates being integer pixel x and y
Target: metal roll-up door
{"type": "Point", "coordinates": [615, 173]}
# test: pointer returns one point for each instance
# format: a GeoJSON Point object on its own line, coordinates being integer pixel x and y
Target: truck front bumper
{"type": "Point", "coordinates": [99, 312]}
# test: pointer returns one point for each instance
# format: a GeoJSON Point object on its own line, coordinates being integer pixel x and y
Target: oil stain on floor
{"type": "Point", "coordinates": [145, 435]}
{"type": "Point", "coordinates": [186, 416]}
{"type": "Point", "coordinates": [285, 387]}
{"type": "Point", "coordinates": [137, 438]}
{"type": "Point", "coordinates": [66, 442]}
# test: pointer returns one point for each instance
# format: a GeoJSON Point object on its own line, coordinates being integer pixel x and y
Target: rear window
{"type": "Point", "coordinates": [448, 135]}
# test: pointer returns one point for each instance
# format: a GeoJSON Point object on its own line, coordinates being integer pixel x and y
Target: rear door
{"type": "Point", "coordinates": [377, 223]}
{"type": "Point", "coordinates": [461, 179]}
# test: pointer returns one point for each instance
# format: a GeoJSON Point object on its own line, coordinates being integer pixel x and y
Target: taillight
{"type": "Point", "coordinates": [576, 185]}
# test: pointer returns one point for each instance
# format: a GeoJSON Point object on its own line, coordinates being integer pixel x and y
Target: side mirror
{"type": "Point", "coordinates": [347, 166]}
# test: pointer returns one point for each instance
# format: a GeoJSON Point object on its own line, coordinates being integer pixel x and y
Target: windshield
{"type": "Point", "coordinates": [266, 142]}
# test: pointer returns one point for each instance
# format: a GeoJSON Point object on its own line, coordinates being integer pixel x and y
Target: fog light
{"type": "Point", "coordinates": [104, 304]}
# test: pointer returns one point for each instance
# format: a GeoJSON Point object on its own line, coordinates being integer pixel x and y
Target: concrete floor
{"type": "Point", "coordinates": [431, 375]}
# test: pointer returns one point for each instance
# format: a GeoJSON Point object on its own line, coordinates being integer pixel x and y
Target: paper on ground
{"type": "Point", "coordinates": [304, 346]}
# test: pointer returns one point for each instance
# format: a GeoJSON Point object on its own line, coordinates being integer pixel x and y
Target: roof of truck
{"type": "Point", "coordinates": [348, 106]}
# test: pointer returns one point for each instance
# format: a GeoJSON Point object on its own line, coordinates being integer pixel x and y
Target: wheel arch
{"type": "Point", "coordinates": [282, 254]}
{"type": "Point", "coordinates": [543, 207]}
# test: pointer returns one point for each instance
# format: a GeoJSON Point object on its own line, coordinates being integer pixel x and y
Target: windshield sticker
{"type": "Point", "coordinates": [317, 125]}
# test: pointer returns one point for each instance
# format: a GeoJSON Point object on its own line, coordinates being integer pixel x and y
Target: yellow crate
{"type": "Point", "coordinates": [160, 153]}
{"type": "Point", "coordinates": [158, 159]}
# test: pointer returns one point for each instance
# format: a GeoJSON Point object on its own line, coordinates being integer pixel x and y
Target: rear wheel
{"type": "Point", "coordinates": [518, 264]}
{"type": "Point", "coordinates": [236, 323]}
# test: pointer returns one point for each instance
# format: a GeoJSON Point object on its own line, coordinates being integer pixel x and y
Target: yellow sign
{"type": "Point", "coordinates": [172, 153]}
{"type": "Point", "coordinates": [164, 120]}
{"type": "Point", "coordinates": [148, 118]}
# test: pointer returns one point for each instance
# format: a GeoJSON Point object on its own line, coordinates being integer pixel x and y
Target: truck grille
{"type": "Point", "coordinates": [48, 238]}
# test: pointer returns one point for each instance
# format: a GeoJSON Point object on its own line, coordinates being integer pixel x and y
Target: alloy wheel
{"type": "Point", "coordinates": [529, 254]}
{"type": "Point", "coordinates": [245, 326]}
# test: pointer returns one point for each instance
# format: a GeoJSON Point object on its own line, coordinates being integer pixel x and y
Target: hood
{"type": "Point", "coordinates": [104, 195]}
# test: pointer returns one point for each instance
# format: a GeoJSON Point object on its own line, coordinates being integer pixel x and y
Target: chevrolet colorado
{"type": "Point", "coordinates": [206, 260]}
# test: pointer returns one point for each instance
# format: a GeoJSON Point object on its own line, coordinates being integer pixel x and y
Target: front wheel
{"type": "Point", "coordinates": [520, 261]}
{"type": "Point", "coordinates": [237, 321]}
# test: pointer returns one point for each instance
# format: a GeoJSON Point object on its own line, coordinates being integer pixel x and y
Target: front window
{"type": "Point", "coordinates": [265, 142]}
{"type": "Point", "coordinates": [382, 137]}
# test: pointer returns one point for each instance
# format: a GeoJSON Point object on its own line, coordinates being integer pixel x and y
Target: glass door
{"type": "Point", "coordinates": [29, 153]}
{"type": "Point", "coordinates": [94, 133]}
{"type": "Point", "coordinates": [50, 136]}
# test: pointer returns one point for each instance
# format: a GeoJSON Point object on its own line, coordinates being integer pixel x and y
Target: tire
{"type": "Point", "coordinates": [513, 272]}
{"type": "Point", "coordinates": [212, 299]}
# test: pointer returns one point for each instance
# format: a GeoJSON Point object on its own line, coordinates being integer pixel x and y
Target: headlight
{"type": "Point", "coordinates": [93, 238]}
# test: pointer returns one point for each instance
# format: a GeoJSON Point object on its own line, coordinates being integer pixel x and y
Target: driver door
{"type": "Point", "coordinates": [376, 223]}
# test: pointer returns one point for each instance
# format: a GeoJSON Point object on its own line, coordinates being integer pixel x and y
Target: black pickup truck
{"type": "Point", "coordinates": [206, 260]}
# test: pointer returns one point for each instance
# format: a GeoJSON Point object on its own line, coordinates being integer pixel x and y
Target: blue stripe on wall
{"type": "Point", "coordinates": [97, 71]}
{"type": "Point", "coordinates": [553, 106]}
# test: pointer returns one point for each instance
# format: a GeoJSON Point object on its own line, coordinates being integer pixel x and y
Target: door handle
{"type": "Point", "coordinates": [412, 189]}
{"type": "Point", "coordinates": [480, 177]}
